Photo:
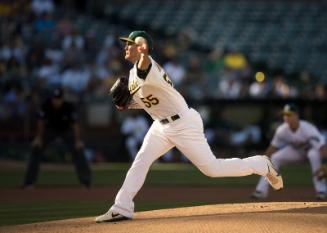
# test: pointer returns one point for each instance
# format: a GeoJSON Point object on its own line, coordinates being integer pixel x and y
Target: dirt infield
{"type": "Point", "coordinates": [249, 217]}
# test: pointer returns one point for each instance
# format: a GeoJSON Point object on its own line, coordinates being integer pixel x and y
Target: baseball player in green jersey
{"type": "Point", "coordinates": [175, 124]}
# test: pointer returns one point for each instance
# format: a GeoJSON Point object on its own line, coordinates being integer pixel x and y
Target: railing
{"type": "Point", "coordinates": [218, 115]}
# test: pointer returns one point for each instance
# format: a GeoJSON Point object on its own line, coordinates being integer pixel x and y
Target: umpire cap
{"type": "Point", "coordinates": [133, 35]}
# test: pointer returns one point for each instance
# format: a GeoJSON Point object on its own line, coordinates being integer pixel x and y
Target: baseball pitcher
{"type": "Point", "coordinates": [295, 140]}
{"type": "Point", "coordinates": [175, 124]}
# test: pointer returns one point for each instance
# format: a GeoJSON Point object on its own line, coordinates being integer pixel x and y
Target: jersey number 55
{"type": "Point", "coordinates": [149, 101]}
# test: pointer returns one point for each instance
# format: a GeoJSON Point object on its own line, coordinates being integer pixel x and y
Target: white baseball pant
{"type": "Point", "coordinates": [187, 135]}
{"type": "Point", "coordinates": [290, 155]}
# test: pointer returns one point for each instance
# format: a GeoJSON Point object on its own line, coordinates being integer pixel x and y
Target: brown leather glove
{"type": "Point", "coordinates": [121, 96]}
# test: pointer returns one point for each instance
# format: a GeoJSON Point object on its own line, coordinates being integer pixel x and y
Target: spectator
{"type": "Point", "coordinates": [259, 89]}
{"type": "Point", "coordinates": [215, 62]}
{"type": "Point", "coordinates": [319, 91]}
{"type": "Point", "coordinates": [280, 88]}
{"type": "Point", "coordinates": [54, 53]}
{"type": "Point", "coordinates": [76, 78]}
{"type": "Point", "coordinates": [229, 88]}
{"type": "Point", "coordinates": [46, 25]}
{"type": "Point", "coordinates": [195, 80]}
{"type": "Point", "coordinates": [48, 74]}
{"type": "Point", "coordinates": [235, 60]}
{"type": "Point", "coordinates": [73, 40]}
{"type": "Point", "coordinates": [134, 128]}
{"type": "Point", "coordinates": [14, 105]}
{"type": "Point", "coordinates": [12, 49]}
{"type": "Point", "coordinates": [175, 71]}
{"type": "Point", "coordinates": [35, 55]}
{"type": "Point", "coordinates": [65, 26]}
{"type": "Point", "coordinates": [40, 7]}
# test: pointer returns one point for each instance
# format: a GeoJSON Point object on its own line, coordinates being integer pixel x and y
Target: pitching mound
{"type": "Point", "coordinates": [249, 217]}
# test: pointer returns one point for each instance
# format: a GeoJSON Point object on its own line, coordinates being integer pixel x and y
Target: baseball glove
{"type": "Point", "coordinates": [120, 94]}
{"type": "Point", "coordinates": [322, 172]}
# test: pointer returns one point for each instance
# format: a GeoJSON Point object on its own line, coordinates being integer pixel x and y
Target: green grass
{"type": "Point", "coordinates": [159, 175]}
{"type": "Point", "coordinates": [28, 211]}
{"type": "Point", "coordinates": [14, 213]}
{"type": "Point", "coordinates": [21, 212]}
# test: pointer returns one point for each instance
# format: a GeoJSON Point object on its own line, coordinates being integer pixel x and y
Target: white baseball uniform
{"type": "Point", "coordinates": [175, 124]}
{"type": "Point", "coordinates": [303, 144]}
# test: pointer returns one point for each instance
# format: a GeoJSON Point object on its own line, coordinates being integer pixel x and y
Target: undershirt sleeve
{"type": "Point", "coordinates": [143, 73]}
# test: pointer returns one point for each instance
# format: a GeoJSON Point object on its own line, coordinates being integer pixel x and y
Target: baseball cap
{"type": "Point", "coordinates": [133, 35]}
{"type": "Point", "coordinates": [57, 92]}
{"type": "Point", "coordinates": [290, 108]}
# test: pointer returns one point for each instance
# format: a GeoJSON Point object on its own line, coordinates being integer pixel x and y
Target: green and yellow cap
{"type": "Point", "coordinates": [290, 109]}
{"type": "Point", "coordinates": [133, 35]}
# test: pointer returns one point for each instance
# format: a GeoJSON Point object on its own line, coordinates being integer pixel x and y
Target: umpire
{"type": "Point", "coordinates": [57, 118]}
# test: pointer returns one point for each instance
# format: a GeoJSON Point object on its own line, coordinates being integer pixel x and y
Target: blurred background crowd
{"type": "Point", "coordinates": [236, 61]}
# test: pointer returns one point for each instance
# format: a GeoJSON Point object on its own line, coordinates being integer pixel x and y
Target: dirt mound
{"type": "Point", "coordinates": [249, 217]}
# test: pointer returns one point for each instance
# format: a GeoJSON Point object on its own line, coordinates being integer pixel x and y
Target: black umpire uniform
{"type": "Point", "coordinates": [57, 118]}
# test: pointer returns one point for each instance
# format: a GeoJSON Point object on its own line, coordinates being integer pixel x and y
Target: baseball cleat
{"type": "Point", "coordinates": [321, 196]}
{"type": "Point", "coordinates": [273, 177]}
{"type": "Point", "coordinates": [111, 216]}
{"type": "Point", "coordinates": [258, 195]}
